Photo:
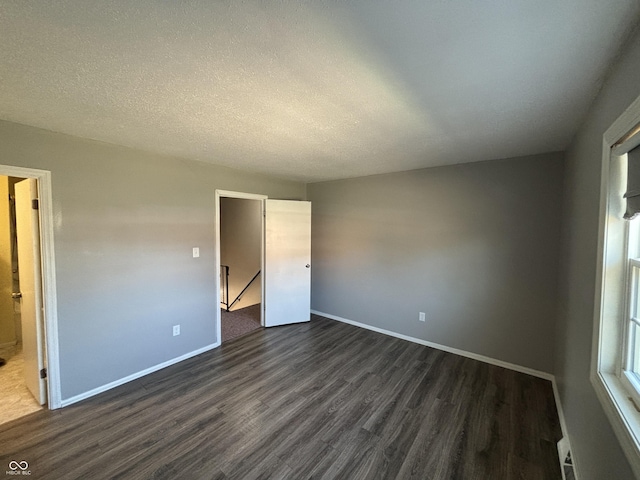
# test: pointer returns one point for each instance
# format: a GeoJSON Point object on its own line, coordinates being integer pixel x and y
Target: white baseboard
{"type": "Point", "coordinates": [122, 381]}
{"type": "Point", "coordinates": [556, 395]}
{"type": "Point", "coordinates": [563, 427]}
{"type": "Point", "coordinates": [463, 353]}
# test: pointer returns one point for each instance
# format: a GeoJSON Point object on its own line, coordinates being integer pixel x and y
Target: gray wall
{"type": "Point", "coordinates": [473, 246]}
{"type": "Point", "coordinates": [240, 247]}
{"type": "Point", "coordinates": [125, 224]}
{"type": "Point", "coordinates": [595, 447]}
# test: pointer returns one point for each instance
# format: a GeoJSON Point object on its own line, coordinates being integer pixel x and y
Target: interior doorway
{"type": "Point", "coordinates": [240, 243]}
{"type": "Point", "coordinates": [285, 260]}
{"type": "Point", "coordinates": [23, 391]}
{"type": "Point", "coordinates": [28, 314]}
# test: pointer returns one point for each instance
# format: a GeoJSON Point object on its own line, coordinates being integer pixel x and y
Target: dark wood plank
{"type": "Point", "coordinates": [315, 400]}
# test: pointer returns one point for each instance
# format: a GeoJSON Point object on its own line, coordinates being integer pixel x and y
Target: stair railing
{"type": "Point", "coordinates": [224, 286]}
{"type": "Point", "coordinates": [229, 306]}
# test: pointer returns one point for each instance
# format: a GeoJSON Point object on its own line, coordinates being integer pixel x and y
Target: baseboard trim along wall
{"type": "Point", "coordinates": [565, 432]}
{"type": "Point", "coordinates": [474, 356]}
{"type": "Point", "coordinates": [134, 376]}
{"type": "Point", "coordinates": [463, 353]}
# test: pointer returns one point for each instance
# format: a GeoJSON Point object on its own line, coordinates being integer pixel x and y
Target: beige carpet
{"type": "Point", "coordinates": [240, 322]}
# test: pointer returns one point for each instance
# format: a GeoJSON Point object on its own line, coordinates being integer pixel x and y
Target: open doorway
{"type": "Point", "coordinates": [285, 261]}
{"type": "Point", "coordinates": [30, 288]}
{"type": "Point", "coordinates": [22, 354]}
{"type": "Point", "coordinates": [241, 249]}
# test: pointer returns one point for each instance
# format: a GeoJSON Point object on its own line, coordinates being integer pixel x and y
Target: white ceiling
{"type": "Point", "coordinates": [311, 90]}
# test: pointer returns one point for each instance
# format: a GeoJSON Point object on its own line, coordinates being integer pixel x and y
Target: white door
{"type": "Point", "coordinates": [287, 262]}
{"type": "Point", "coordinates": [28, 232]}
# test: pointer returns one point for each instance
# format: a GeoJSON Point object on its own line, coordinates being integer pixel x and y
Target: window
{"type": "Point", "coordinates": [615, 366]}
{"type": "Point", "coordinates": [629, 346]}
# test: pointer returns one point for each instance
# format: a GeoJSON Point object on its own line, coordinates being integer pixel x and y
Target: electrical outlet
{"type": "Point", "coordinates": [421, 317]}
{"type": "Point", "coordinates": [176, 330]}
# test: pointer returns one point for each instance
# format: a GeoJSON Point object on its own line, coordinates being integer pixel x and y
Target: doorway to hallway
{"type": "Point", "coordinates": [285, 261]}
{"type": "Point", "coordinates": [240, 266]}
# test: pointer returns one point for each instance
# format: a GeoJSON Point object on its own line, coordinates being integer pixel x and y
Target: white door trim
{"type": "Point", "coordinates": [48, 276]}
{"type": "Point", "coordinates": [246, 196]}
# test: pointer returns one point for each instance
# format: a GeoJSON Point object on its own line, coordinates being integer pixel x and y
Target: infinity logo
{"type": "Point", "coordinates": [23, 465]}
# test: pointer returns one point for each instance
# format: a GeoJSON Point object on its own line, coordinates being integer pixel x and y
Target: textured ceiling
{"type": "Point", "coordinates": [311, 90]}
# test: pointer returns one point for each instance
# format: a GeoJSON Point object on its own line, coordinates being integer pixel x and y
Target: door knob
{"type": "Point", "coordinates": [308, 266]}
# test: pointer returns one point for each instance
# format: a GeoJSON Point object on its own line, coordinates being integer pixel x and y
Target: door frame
{"type": "Point", "coordinates": [245, 196]}
{"type": "Point", "coordinates": [48, 267]}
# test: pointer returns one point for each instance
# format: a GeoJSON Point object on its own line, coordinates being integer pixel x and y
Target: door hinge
{"type": "Point", "coordinates": [34, 204]}
{"type": "Point", "coordinates": [43, 373]}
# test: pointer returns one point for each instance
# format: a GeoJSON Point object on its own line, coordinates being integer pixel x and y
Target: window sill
{"type": "Point", "coordinates": [622, 415]}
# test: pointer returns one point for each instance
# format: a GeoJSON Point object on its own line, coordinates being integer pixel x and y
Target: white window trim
{"type": "Point", "coordinates": [610, 313]}
{"type": "Point", "coordinates": [632, 277]}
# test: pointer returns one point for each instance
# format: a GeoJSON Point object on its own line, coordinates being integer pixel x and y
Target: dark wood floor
{"type": "Point", "coordinates": [316, 400]}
